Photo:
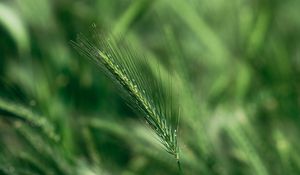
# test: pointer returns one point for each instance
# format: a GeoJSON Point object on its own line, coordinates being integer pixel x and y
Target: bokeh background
{"type": "Point", "coordinates": [235, 64]}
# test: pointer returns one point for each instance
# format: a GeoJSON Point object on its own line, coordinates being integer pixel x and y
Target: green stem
{"type": "Point", "coordinates": [179, 167]}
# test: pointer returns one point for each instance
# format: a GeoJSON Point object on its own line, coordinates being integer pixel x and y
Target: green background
{"type": "Point", "coordinates": [235, 64]}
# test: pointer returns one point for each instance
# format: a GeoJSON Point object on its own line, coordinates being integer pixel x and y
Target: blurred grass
{"type": "Point", "coordinates": [235, 67]}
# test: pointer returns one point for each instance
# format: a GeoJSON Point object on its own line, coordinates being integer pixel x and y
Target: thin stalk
{"type": "Point", "coordinates": [179, 167]}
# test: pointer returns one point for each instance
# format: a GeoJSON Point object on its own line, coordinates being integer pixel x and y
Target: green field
{"type": "Point", "coordinates": [149, 87]}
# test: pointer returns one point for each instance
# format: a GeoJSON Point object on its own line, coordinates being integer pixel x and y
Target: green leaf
{"type": "Point", "coordinates": [14, 25]}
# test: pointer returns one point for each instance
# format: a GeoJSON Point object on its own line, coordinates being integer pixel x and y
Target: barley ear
{"type": "Point", "coordinates": [142, 90]}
